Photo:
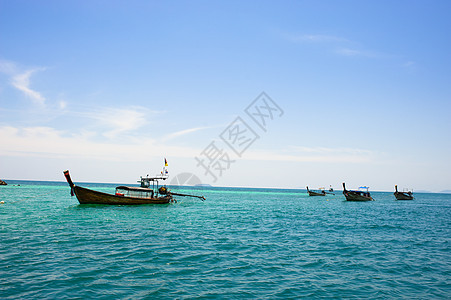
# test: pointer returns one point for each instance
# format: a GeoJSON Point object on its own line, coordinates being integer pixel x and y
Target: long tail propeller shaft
{"type": "Point", "coordinates": [186, 195]}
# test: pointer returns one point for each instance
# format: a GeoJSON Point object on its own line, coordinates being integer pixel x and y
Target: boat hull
{"type": "Point", "coordinates": [310, 193]}
{"type": "Point", "coordinates": [87, 196]}
{"type": "Point", "coordinates": [403, 196]}
{"type": "Point", "coordinates": [352, 196]}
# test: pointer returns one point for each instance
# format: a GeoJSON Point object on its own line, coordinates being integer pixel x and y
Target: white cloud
{"type": "Point", "coordinates": [22, 83]}
{"type": "Point", "coordinates": [344, 51]}
{"type": "Point", "coordinates": [183, 132]}
{"type": "Point", "coordinates": [316, 38]}
{"type": "Point", "coordinates": [348, 52]}
{"type": "Point", "coordinates": [62, 104]}
{"type": "Point", "coordinates": [410, 66]}
{"type": "Point", "coordinates": [336, 44]}
{"type": "Point", "coordinates": [323, 150]}
{"type": "Point", "coordinates": [7, 67]}
{"type": "Point", "coordinates": [117, 121]}
{"type": "Point", "coordinates": [49, 143]}
{"type": "Point", "coordinates": [21, 80]}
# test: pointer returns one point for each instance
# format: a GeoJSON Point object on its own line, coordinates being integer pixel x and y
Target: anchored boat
{"type": "Point", "coordinates": [404, 195]}
{"type": "Point", "coordinates": [360, 195]}
{"type": "Point", "coordinates": [320, 192]}
{"type": "Point", "coordinates": [148, 193]}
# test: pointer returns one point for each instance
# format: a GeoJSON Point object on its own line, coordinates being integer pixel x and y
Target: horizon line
{"type": "Point", "coordinates": [218, 186]}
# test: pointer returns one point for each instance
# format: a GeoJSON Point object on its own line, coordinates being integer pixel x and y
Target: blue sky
{"type": "Point", "coordinates": [108, 89]}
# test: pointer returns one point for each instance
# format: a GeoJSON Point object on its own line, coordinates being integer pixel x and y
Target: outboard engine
{"type": "Point", "coordinates": [163, 190]}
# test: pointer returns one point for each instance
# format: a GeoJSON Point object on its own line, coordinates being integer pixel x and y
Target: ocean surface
{"type": "Point", "coordinates": [239, 243]}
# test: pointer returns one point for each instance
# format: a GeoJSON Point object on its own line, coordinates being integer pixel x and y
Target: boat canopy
{"type": "Point", "coordinates": [145, 181]}
{"type": "Point", "coordinates": [134, 192]}
{"type": "Point", "coordinates": [133, 188]}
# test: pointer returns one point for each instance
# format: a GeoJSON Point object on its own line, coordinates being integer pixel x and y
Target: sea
{"type": "Point", "coordinates": [240, 243]}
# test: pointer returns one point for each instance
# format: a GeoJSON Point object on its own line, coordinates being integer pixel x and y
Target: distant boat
{"type": "Point", "coordinates": [320, 192]}
{"type": "Point", "coordinates": [127, 195]}
{"type": "Point", "coordinates": [331, 189]}
{"type": "Point", "coordinates": [360, 195]}
{"type": "Point", "coordinates": [405, 195]}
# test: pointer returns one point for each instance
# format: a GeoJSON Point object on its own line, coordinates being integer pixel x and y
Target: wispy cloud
{"type": "Point", "coordinates": [7, 67]}
{"type": "Point", "coordinates": [410, 66]}
{"type": "Point", "coordinates": [327, 150]}
{"type": "Point", "coordinates": [352, 52]}
{"type": "Point", "coordinates": [116, 121]}
{"type": "Point", "coordinates": [50, 143]}
{"type": "Point", "coordinates": [336, 44]}
{"type": "Point", "coordinates": [62, 105]}
{"type": "Point", "coordinates": [183, 132]}
{"type": "Point", "coordinates": [316, 38]}
{"type": "Point", "coordinates": [21, 80]}
{"type": "Point", "coordinates": [348, 52]}
{"type": "Point", "coordinates": [22, 83]}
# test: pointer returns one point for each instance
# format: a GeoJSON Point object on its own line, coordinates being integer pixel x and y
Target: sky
{"type": "Point", "coordinates": [278, 94]}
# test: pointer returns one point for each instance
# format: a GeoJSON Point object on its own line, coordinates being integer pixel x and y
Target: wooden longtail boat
{"type": "Point", "coordinates": [313, 193]}
{"type": "Point", "coordinates": [405, 195]}
{"type": "Point", "coordinates": [127, 195]}
{"type": "Point", "coordinates": [360, 195]}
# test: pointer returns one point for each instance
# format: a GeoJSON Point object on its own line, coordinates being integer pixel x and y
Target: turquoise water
{"type": "Point", "coordinates": [239, 243]}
